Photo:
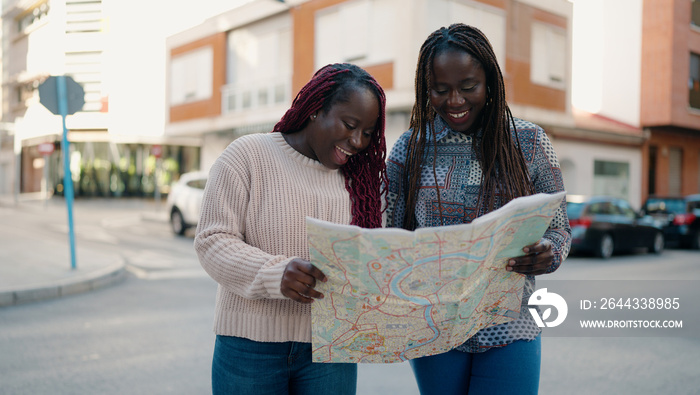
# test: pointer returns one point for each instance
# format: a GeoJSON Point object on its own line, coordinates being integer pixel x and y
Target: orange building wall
{"type": "Point", "coordinates": [383, 73]}
{"type": "Point", "coordinates": [519, 87]}
{"type": "Point", "coordinates": [211, 106]}
{"type": "Point", "coordinates": [667, 40]}
{"type": "Point", "coordinates": [494, 3]}
{"type": "Point", "coordinates": [657, 55]}
{"type": "Point", "coordinates": [686, 40]}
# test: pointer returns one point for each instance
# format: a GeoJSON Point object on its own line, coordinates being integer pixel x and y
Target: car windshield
{"type": "Point", "coordinates": [574, 209]}
{"type": "Point", "coordinates": [693, 205]}
{"type": "Point", "coordinates": [658, 205]}
{"type": "Point", "coordinates": [198, 184]}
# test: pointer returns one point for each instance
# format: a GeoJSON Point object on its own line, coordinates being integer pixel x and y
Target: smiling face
{"type": "Point", "coordinates": [346, 129]}
{"type": "Point", "coordinates": [458, 91]}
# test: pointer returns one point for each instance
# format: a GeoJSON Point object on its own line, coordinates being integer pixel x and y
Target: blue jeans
{"type": "Point", "coordinates": [242, 366]}
{"type": "Point", "coordinates": [512, 369]}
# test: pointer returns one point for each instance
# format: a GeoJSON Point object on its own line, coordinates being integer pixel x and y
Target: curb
{"type": "Point", "coordinates": [97, 279]}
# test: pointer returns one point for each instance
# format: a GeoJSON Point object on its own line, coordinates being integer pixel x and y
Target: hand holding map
{"type": "Point", "coordinates": [394, 295]}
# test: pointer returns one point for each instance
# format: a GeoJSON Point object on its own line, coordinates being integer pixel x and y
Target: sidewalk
{"type": "Point", "coordinates": [35, 258]}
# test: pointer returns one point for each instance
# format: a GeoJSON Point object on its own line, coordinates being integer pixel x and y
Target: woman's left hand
{"type": "Point", "coordinates": [537, 259]}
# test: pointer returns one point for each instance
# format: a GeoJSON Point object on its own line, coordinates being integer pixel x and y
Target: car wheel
{"type": "Point", "coordinates": [177, 222]}
{"type": "Point", "coordinates": [658, 245]}
{"type": "Point", "coordinates": [605, 246]}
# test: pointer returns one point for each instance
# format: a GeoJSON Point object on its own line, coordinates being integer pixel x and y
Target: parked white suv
{"type": "Point", "coordinates": [185, 201]}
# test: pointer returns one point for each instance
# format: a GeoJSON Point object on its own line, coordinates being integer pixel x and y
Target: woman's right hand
{"type": "Point", "coordinates": [299, 280]}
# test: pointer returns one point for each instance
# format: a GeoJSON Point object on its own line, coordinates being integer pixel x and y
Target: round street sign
{"type": "Point", "coordinates": [157, 151]}
{"type": "Point", "coordinates": [45, 148]}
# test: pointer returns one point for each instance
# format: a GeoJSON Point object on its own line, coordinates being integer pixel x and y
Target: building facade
{"type": "Point", "coordinates": [111, 152]}
{"type": "Point", "coordinates": [670, 106]}
{"type": "Point", "coordinates": [614, 84]}
{"type": "Point", "coordinates": [237, 72]}
{"type": "Point", "coordinates": [636, 99]}
{"type": "Point", "coordinates": [601, 153]}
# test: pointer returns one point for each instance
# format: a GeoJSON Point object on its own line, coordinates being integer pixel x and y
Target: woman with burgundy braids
{"type": "Point", "coordinates": [325, 159]}
{"type": "Point", "coordinates": [466, 155]}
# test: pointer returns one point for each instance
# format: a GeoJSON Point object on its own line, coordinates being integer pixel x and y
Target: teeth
{"type": "Point", "coordinates": [459, 115]}
{"type": "Point", "coordinates": [344, 151]}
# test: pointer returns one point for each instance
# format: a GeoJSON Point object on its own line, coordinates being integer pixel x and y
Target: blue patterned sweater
{"type": "Point", "coordinates": [459, 179]}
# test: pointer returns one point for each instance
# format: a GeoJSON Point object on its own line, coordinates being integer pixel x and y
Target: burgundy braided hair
{"type": "Point", "coordinates": [365, 172]}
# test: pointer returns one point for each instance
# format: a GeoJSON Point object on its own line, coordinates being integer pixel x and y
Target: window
{"type": "Point", "coordinates": [38, 13]}
{"type": "Point", "coordinates": [653, 154]}
{"type": "Point", "coordinates": [626, 210]}
{"type": "Point", "coordinates": [694, 81]}
{"type": "Point", "coordinates": [197, 184]}
{"type": "Point", "coordinates": [695, 13]}
{"type": "Point", "coordinates": [25, 91]}
{"type": "Point", "coordinates": [86, 69]}
{"type": "Point", "coordinates": [258, 67]}
{"type": "Point", "coordinates": [191, 76]}
{"type": "Point", "coordinates": [600, 208]}
{"type": "Point", "coordinates": [611, 178]}
{"type": "Point", "coordinates": [693, 205]}
{"type": "Point", "coordinates": [359, 31]}
{"type": "Point", "coordinates": [548, 52]}
{"type": "Point", "coordinates": [675, 170]}
{"type": "Point", "coordinates": [83, 16]}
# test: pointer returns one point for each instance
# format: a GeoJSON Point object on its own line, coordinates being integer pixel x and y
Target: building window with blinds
{"type": "Point", "coordinates": [548, 56]}
{"type": "Point", "coordinates": [694, 81]}
{"type": "Point", "coordinates": [611, 178]}
{"type": "Point", "coordinates": [258, 67]}
{"type": "Point", "coordinates": [675, 171]}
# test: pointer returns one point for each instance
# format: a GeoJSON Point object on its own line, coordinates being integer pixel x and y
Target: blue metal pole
{"type": "Point", "coordinates": [67, 179]}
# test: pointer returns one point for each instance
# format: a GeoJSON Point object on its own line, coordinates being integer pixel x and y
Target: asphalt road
{"type": "Point", "coordinates": [151, 334]}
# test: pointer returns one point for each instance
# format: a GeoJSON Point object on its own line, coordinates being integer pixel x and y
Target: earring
{"type": "Point", "coordinates": [313, 116]}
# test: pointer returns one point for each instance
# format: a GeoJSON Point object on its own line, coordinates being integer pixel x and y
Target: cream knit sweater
{"type": "Point", "coordinates": [259, 192]}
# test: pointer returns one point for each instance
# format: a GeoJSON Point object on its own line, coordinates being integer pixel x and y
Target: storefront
{"type": "Point", "coordinates": [107, 168]}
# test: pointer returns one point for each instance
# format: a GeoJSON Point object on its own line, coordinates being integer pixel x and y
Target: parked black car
{"type": "Point", "coordinates": [607, 225]}
{"type": "Point", "coordinates": [679, 217]}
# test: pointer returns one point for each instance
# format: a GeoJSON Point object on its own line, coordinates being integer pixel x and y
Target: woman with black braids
{"type": "Point", "coordinates": [464, 156]}
{"type": "Point", "coordinates": [324, 159]}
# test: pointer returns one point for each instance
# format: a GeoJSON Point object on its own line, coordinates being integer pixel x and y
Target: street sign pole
{"type": "Point", "coordinates": [67, 179]}
{"type": "Point", "coordinates": [63, 96]}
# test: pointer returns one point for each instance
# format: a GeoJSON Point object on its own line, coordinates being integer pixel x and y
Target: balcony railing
{"type": "Point", "coordinates": [245, 97]}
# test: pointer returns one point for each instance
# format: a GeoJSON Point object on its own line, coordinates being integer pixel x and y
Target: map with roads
{"type": "Point", "coordinates": [394, 295]}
